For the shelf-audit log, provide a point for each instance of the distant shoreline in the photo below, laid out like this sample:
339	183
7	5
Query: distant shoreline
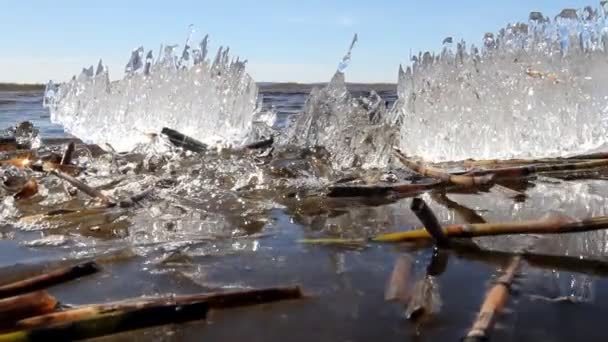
283	87
21	87
293	87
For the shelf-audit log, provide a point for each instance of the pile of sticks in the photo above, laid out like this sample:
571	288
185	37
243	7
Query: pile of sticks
495	175
482	175
29	313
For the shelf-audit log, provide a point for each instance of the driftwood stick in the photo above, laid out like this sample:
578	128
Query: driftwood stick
542	226
112	321
429	221
595	155
526	171
213	300
494	303
181	140
83	187
48	279
67	154
483	177
429	171
522	162
31	304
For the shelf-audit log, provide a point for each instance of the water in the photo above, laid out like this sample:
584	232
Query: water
239	230
16	107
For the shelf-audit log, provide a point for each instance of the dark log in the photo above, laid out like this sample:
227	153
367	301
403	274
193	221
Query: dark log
67	154
180	140
429	221
48	279
260	144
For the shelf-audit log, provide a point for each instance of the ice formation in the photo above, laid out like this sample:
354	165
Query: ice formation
536	89
210	101
352	129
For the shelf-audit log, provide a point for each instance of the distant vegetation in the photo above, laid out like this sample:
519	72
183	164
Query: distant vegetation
21	87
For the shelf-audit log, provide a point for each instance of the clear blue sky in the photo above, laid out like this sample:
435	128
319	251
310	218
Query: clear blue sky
283	40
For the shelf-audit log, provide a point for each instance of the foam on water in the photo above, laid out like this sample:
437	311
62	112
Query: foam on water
536	89
210	101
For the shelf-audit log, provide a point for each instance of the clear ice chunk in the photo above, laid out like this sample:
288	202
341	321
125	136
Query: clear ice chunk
353	130
209	102
346	59
536	89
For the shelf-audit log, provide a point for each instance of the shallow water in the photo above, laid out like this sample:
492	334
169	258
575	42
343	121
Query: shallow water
233	238
16	107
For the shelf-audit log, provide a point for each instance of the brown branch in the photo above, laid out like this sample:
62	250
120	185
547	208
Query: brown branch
83	187
112	321
212	300
494	303
526	171
541	226
32	304
429	171
29	189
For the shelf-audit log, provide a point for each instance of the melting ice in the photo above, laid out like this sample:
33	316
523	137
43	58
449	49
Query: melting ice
353	130
536	89
210	101
532	89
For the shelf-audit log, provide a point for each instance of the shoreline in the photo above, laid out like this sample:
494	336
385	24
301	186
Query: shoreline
283	87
